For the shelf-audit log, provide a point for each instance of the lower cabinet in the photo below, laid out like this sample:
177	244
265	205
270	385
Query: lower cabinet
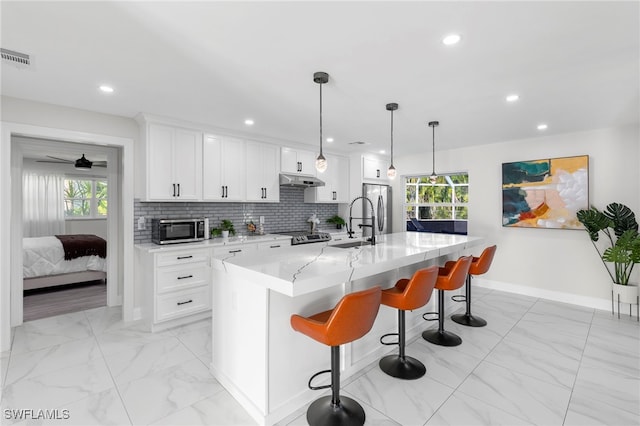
177	286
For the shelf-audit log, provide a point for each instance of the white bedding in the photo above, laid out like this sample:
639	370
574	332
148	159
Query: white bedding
45	256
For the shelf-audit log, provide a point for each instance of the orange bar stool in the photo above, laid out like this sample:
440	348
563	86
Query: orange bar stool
351	319
406	295
450	277
479	265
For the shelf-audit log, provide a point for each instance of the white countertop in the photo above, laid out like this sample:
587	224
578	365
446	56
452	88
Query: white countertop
306	268
213	242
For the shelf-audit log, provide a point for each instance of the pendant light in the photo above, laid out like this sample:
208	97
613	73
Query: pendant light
391	173
434	176
321	78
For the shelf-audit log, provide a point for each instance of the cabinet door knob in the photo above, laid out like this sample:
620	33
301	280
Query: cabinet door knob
174	189
178	190
184	303
185	277
235	251
184	257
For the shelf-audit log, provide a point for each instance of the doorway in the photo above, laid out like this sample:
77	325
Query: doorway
120	233
66	211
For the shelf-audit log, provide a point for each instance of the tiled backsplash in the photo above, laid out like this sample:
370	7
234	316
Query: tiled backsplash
291	213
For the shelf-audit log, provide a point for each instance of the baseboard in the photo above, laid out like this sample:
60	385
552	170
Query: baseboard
557	296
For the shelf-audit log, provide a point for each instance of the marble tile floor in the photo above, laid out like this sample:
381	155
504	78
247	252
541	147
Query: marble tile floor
536	363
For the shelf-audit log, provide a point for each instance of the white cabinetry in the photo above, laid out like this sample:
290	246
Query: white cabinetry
374	169
223	169
173	163
336	179
297	161
263	169
177	286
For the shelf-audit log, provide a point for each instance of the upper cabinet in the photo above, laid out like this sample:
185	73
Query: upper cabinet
374	169
173	159
262	172
297	161
336	179
223	168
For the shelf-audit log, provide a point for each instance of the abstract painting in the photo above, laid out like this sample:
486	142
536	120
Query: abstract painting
545	193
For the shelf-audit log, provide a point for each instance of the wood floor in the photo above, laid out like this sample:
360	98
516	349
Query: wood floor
47	302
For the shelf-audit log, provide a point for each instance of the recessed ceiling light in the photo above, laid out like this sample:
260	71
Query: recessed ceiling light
248	122
106	89
542	126
329	140
382	151
451	39
512	98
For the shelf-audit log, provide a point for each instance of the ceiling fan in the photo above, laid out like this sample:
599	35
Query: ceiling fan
80	164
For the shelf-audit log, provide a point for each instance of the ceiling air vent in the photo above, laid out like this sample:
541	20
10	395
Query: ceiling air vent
16	58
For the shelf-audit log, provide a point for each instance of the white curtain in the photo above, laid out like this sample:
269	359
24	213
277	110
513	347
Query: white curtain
43	204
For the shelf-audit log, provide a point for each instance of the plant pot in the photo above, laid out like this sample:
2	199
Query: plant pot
338	226
225	234
628	293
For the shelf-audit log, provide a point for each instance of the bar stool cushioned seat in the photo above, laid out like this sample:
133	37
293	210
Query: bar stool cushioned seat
479	265
351	319
406	295
450	277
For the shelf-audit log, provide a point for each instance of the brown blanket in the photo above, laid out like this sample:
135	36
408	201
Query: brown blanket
82	245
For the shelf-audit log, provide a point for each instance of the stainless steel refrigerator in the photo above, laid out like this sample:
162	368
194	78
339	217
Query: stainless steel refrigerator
380	196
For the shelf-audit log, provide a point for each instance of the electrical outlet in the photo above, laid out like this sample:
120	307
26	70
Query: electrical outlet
141	224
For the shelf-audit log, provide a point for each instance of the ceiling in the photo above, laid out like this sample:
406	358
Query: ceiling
575	66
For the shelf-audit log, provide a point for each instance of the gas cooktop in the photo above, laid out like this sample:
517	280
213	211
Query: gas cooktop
306	237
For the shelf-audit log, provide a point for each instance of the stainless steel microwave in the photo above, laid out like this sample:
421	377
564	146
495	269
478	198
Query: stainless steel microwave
173	231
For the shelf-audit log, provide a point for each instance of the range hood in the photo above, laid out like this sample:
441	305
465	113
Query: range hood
287	179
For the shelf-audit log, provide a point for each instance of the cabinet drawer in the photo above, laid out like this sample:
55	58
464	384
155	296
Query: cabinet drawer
237	249
274	244
175	277
182	303
182	256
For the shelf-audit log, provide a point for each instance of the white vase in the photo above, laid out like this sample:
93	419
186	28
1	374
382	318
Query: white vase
225	234
626	293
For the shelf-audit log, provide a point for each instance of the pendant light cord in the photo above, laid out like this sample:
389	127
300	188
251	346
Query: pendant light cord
433	151
392	137
320	118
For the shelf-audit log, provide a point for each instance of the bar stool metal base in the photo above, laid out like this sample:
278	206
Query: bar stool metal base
442	338
323	412
408	368
468	320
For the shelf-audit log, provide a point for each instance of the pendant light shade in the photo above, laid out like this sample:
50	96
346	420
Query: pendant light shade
321	78
391	173
434	176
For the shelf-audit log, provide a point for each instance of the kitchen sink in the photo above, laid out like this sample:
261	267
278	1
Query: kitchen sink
352	244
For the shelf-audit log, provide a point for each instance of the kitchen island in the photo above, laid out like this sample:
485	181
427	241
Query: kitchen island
261	361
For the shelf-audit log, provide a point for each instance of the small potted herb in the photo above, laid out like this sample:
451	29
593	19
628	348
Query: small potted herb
337	220
226	228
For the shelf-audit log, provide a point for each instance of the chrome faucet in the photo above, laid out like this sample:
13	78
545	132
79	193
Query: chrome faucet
373	220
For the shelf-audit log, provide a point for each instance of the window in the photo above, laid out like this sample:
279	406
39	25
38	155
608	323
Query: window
85	198
447	199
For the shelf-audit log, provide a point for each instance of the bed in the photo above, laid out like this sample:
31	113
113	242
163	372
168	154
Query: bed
63	259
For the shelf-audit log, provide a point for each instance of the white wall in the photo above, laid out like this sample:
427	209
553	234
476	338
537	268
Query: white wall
540	260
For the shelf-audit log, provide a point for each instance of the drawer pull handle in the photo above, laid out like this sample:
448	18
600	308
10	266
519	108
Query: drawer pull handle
185	277
184	303
274	246
184	257
235	251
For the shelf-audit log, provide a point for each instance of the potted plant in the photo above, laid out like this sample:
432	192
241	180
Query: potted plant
618	224
337	220
226	228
